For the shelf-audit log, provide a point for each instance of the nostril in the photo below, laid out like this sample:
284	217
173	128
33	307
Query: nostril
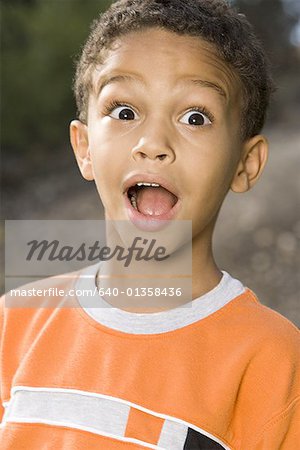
151	154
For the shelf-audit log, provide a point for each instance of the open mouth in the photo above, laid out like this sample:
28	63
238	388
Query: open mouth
151	199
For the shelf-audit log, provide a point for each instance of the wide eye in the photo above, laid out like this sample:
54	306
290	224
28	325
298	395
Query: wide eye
195	118
123	113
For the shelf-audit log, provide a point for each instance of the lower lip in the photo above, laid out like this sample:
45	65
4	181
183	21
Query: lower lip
150	223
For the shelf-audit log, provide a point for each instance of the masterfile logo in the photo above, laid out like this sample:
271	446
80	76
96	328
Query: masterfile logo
140	250
134	265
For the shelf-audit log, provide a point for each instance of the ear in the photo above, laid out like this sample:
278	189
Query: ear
80	143
251	165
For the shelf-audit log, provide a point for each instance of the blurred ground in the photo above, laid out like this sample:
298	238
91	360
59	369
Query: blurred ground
258	233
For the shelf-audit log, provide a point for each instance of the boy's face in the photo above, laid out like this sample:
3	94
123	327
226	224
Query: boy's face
166	110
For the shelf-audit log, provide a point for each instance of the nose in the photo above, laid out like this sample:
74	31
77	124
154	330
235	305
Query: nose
154	145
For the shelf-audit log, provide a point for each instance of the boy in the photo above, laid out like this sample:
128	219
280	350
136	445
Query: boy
171	94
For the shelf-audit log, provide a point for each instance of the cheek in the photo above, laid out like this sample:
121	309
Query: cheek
209	152
221	174
209	171
111	144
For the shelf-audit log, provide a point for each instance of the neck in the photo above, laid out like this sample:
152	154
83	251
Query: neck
190	270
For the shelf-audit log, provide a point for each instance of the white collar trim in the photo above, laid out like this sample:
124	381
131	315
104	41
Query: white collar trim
158	322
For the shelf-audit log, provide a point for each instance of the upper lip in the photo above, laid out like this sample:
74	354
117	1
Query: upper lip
149	178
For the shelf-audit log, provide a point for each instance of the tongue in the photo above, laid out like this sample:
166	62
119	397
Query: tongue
155	201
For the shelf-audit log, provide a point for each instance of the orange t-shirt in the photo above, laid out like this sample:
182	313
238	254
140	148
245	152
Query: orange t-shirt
222	374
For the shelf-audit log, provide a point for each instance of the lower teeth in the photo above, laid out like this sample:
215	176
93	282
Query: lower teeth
133	202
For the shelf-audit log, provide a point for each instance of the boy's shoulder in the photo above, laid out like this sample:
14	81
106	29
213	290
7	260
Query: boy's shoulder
263	323
24	316
267	348
36	300
274	317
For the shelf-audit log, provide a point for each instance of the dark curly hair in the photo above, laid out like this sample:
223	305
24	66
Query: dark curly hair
214	21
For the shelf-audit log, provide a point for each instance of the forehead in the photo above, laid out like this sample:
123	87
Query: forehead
157	56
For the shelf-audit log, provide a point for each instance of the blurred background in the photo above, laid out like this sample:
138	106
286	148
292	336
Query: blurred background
258	233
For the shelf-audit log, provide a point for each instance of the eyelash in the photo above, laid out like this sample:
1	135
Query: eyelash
108	109
203	110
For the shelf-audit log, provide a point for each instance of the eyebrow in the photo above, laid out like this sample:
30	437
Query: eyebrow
119	78
210	84
114	79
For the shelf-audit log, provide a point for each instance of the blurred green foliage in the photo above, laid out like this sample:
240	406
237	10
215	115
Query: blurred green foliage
40	40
